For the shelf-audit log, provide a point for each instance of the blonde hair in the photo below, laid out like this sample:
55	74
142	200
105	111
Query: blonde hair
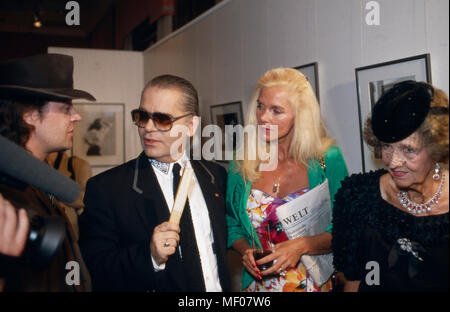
310	138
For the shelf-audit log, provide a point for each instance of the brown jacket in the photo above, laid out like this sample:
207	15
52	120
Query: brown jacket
80	171
17	272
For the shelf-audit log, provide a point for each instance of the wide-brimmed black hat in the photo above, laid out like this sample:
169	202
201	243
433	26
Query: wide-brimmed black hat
45	76
401	110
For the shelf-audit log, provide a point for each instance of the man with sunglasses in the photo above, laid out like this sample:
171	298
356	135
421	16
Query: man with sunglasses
125	236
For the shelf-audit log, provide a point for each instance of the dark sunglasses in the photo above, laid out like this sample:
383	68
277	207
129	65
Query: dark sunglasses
162	122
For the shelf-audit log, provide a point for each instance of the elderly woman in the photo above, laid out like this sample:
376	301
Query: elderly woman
283	99
391	226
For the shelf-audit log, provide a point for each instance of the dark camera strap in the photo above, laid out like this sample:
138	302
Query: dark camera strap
69	164
58	160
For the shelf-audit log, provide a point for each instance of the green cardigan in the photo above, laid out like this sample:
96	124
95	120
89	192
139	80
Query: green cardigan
238	191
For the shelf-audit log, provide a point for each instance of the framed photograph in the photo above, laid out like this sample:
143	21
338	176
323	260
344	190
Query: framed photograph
227	114
99	136
373	81
311	71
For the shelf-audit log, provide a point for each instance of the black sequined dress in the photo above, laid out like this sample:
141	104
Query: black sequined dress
387	249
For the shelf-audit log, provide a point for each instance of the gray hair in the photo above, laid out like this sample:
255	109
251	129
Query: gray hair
190	103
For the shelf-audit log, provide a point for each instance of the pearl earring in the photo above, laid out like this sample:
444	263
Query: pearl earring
436	175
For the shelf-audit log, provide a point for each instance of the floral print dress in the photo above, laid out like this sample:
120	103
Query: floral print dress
261	208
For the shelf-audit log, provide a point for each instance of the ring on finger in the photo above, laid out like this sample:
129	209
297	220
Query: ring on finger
166	244
282	272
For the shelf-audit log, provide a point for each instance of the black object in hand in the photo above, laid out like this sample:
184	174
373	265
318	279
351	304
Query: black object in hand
44	240
259	254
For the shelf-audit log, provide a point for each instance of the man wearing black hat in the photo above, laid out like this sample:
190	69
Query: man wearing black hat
36	112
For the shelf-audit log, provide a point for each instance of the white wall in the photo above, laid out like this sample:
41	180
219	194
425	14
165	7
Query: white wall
111	77
224	53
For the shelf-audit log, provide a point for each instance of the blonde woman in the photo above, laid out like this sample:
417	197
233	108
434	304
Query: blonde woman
283	99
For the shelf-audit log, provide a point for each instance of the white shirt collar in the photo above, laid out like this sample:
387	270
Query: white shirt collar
166	168
161	166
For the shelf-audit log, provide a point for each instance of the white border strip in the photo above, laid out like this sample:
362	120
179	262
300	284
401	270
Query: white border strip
189	25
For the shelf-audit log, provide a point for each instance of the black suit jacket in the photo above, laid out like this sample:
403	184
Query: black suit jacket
123	206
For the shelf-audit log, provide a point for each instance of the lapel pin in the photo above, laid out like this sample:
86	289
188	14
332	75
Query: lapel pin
216	194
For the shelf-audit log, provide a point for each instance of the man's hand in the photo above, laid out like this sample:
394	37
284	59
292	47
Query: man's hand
13	229
164	241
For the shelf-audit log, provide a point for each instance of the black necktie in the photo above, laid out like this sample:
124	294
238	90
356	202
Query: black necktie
189	250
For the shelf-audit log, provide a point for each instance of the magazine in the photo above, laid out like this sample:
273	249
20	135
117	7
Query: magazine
308	215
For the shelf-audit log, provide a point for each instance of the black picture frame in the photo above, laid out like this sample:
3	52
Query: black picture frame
373	80
227	114
311	71
99	137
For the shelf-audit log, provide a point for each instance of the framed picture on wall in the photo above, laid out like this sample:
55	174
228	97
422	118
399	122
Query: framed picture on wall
99	136
311	71
227	114
373	81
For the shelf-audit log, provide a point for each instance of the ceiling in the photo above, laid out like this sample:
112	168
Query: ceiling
104	24
17	16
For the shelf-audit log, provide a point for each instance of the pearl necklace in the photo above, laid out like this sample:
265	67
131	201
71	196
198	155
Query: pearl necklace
414	208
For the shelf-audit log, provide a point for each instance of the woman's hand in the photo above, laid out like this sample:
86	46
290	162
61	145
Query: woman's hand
248	261
250	265
287	254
